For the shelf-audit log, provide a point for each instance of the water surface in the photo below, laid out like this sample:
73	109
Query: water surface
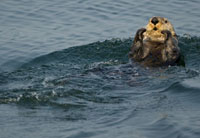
65	72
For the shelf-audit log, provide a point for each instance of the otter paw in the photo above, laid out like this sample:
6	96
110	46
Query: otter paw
167	33
140	33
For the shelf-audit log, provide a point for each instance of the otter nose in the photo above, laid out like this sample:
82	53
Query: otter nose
154	20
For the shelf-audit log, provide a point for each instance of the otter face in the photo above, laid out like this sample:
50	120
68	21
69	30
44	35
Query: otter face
155	26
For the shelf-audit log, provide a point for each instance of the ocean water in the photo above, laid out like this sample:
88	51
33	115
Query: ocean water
65	72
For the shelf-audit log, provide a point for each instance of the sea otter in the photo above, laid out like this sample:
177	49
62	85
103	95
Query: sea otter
156	45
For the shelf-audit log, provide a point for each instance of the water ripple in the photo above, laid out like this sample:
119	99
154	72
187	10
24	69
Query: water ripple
50	90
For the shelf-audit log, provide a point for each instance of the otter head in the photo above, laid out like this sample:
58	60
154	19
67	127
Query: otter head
155	27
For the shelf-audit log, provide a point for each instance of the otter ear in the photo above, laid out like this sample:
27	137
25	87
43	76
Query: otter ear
150	19
165	20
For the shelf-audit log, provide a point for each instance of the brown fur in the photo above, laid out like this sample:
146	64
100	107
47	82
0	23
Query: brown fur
156	45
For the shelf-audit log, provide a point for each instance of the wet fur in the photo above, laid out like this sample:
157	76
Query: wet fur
150	51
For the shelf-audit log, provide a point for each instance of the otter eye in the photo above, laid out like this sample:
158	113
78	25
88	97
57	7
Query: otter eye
166	21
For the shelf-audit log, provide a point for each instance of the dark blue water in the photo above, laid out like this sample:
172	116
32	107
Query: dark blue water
65	72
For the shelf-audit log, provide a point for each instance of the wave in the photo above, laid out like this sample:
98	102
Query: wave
96	70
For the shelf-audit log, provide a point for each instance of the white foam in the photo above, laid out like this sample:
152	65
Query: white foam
193	82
